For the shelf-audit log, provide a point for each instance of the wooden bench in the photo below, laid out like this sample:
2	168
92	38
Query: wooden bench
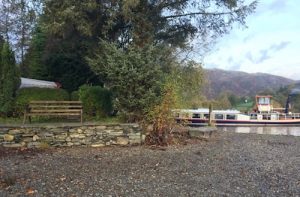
53	108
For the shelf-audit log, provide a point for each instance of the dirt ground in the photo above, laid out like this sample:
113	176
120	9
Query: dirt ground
228	165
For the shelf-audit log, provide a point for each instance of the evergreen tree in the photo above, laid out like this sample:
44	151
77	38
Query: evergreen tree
1	46
10	79
134	75
34	57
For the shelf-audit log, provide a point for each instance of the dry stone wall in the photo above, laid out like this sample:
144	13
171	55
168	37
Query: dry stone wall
93	136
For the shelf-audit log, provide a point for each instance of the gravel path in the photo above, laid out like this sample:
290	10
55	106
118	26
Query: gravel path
228	165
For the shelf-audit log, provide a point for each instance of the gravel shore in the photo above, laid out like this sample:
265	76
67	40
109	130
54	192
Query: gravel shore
228	165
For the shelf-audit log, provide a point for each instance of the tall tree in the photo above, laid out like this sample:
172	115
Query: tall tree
17	20
135	76
34	58
26	16
10	79
1	66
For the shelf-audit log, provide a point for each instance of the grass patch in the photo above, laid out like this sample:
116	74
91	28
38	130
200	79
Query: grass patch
244	107
11	120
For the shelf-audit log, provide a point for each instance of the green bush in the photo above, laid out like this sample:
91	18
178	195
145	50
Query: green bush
96	100
24	96
74	96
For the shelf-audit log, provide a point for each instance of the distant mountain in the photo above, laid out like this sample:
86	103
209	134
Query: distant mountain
241	83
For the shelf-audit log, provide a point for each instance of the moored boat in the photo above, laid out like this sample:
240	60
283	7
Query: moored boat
263	114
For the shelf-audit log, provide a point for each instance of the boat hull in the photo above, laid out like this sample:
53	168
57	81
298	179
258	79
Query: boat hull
202	122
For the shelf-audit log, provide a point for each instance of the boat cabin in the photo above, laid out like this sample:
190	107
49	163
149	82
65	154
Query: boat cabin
263	104
203	113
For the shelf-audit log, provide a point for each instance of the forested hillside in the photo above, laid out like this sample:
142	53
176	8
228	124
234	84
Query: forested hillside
241	83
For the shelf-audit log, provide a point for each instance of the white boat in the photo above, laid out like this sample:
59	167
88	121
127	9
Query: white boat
263	114
30	83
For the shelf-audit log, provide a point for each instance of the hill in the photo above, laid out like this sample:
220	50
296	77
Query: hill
241	83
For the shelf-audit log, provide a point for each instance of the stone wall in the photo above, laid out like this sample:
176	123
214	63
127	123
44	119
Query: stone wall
93	136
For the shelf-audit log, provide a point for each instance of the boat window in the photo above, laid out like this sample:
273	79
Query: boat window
230	117
196	115
206	116
219	116
253	116
264	101
266	117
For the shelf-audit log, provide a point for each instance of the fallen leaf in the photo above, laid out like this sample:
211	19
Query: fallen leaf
30	191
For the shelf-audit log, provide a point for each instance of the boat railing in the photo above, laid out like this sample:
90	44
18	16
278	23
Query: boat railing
289	116
280	116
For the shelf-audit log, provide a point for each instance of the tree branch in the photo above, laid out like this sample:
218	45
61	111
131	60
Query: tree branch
200	13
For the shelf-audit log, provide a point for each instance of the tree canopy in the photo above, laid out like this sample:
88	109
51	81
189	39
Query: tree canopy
141	22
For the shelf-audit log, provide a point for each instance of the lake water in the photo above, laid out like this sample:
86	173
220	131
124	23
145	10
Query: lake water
287	130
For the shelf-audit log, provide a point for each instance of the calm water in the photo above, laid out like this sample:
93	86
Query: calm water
289	130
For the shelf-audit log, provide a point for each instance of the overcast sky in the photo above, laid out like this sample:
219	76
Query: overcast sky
270	44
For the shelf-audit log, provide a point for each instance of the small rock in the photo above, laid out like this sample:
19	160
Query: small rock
108	130
57	130
117	128
13	145
135	126
101	127
122	140
33	144
35	138
72	130
81	136
134	136
68	139
143	138
97	145
28	135
8	138
46	134
14	131
61	137
76	135
116	133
